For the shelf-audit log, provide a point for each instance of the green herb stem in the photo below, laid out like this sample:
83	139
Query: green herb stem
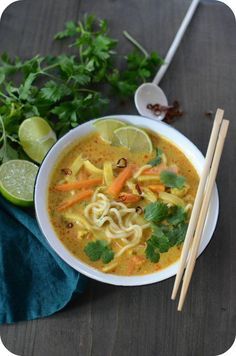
3	137
136	43
87	90
52	66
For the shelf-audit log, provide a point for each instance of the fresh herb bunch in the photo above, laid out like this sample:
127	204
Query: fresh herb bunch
67	90
169	227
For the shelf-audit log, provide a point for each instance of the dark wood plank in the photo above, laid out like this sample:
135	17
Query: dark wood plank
142	321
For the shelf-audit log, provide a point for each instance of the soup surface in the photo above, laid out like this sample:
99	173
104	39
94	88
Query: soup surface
122	212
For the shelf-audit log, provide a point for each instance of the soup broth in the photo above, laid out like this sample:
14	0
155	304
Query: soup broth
91	234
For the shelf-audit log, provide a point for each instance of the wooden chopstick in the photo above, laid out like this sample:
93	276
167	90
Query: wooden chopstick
198	200
203	213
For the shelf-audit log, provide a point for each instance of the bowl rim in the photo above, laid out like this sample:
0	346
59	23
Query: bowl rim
66	142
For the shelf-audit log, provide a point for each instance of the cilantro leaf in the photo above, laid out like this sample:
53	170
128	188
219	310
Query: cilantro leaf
72	70
99	249
180	232
30	66
172	180
25	88
152	252
162	243
54	91
107	255
156	212
8	66
177	216
170	233
176	234
71	29
158	159
157	230
102	46
94	250
155	246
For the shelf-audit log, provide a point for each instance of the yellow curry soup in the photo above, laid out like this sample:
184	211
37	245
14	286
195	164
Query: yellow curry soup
120	233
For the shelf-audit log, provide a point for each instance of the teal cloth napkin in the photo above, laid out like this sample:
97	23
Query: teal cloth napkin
34	281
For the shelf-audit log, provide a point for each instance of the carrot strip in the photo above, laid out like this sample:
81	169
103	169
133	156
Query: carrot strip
158	169
119	182
155	170
87	183
173	169
128	198
156	188
77	198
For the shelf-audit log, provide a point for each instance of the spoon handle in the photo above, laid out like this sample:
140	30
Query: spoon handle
176	42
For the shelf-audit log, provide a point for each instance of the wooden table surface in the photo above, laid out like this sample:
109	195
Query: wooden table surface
143	321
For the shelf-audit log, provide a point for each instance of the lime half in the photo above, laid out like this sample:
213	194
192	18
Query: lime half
17	178
36	138
135	139
106	128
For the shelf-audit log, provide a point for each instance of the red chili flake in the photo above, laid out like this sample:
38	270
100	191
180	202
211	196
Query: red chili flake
137	186
171	112
139	210
66	171
69	225
121	198
121	163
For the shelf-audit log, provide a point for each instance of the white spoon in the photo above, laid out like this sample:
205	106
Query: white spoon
151	93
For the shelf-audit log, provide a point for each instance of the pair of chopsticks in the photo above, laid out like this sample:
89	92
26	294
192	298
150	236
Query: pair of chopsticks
200	207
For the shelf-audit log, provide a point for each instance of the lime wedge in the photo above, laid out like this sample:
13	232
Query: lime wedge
36	138
106	128
135	139
17	179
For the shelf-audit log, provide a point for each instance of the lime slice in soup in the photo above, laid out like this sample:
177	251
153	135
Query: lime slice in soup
135	139
17	178
106	128
36	138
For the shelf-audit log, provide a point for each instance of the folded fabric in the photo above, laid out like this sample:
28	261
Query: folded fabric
34	281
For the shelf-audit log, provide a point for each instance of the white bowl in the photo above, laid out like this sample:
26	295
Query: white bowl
41	193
